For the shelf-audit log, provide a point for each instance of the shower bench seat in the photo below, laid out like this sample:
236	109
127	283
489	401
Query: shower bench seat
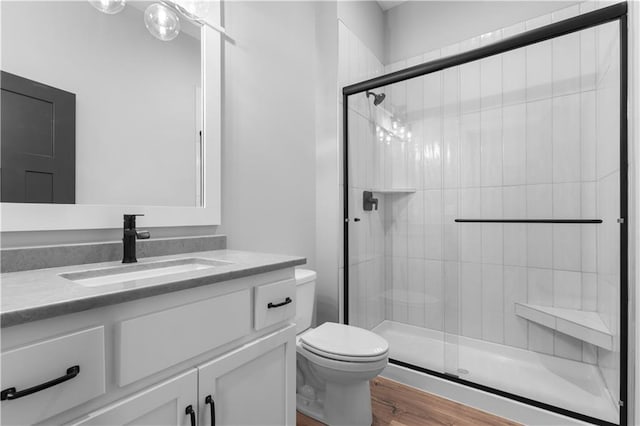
583	325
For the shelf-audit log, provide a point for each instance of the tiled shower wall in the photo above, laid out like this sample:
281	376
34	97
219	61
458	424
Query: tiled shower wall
531	133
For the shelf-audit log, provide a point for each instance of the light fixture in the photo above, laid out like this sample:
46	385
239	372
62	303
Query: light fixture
161	19
110	7
162	22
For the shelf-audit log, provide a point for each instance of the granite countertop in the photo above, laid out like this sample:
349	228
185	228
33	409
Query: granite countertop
43	293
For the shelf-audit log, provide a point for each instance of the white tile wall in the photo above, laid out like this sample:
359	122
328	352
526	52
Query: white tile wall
514	139
566	138
451	142
531	133
515	290
492	233
539	150
491	143
566	74
539	70
434	294
470	80
470	148
471	300
492	303
515	235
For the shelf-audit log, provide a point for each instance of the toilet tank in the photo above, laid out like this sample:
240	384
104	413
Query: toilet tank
305	298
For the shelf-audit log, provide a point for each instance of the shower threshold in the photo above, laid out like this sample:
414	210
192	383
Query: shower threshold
564	383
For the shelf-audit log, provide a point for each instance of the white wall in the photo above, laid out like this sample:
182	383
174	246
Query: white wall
367	21
416	27
269	133
135	97
328	217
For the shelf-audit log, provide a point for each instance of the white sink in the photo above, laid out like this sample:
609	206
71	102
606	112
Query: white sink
139	271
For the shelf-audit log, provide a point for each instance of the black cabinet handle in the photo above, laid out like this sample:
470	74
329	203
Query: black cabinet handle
277	305
192	414
12	393
209	400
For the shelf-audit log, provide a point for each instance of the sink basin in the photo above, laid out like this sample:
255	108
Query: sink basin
139	271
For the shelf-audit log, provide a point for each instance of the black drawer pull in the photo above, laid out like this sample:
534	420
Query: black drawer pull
192	414
209	400
277	305
12	393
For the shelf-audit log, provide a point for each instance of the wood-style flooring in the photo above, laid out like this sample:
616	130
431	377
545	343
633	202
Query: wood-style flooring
396	404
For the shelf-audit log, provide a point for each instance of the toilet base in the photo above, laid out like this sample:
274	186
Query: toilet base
345	405
310	408
348	404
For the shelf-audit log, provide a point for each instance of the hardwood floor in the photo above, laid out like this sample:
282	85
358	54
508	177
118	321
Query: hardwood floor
395	404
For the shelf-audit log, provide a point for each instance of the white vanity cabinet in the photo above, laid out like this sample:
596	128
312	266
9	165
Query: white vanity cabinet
144	362
169	403
246	386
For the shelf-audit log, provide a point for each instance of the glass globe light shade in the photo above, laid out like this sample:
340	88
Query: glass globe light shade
193	9
110	7
162	22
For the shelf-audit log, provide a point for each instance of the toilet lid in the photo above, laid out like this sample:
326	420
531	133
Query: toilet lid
345	341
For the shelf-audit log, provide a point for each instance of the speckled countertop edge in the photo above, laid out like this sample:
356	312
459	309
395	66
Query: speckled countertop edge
40	294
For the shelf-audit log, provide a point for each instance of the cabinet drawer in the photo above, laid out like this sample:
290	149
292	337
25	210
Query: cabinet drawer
154	342
274	303
29	366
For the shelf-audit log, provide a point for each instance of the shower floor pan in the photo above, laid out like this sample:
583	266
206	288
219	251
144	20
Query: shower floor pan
564	383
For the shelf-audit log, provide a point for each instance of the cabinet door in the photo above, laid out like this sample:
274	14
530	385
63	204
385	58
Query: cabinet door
159	405
252	385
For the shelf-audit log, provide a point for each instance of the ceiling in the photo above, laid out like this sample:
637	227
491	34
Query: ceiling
388	4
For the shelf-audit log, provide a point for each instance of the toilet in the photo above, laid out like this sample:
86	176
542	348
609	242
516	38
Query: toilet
334	363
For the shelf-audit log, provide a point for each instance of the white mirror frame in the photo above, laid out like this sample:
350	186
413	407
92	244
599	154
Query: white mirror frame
46	217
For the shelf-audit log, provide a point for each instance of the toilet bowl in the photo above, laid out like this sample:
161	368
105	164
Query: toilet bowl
334	364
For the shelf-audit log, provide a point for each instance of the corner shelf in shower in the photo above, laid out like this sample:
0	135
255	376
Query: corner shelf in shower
393	190
583	325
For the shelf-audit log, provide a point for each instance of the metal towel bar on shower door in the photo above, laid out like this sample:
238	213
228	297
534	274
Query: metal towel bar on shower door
529	220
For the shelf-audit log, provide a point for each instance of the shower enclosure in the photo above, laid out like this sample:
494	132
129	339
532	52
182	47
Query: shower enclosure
485	213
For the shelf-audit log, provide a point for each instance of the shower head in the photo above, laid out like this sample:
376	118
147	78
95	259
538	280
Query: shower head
377	98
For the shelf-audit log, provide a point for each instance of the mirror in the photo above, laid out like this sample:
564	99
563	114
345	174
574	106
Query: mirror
137	122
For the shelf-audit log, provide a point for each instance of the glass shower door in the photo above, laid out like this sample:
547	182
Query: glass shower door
484	235
396	281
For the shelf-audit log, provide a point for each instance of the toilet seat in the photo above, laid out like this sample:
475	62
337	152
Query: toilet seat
346	343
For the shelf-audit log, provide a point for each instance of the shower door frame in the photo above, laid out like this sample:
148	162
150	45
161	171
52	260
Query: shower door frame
616	12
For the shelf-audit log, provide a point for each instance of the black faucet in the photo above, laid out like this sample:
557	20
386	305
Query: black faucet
129	237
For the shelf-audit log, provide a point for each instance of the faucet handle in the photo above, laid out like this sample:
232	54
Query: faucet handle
143	235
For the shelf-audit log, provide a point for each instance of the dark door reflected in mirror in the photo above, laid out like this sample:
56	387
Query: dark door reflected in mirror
38	131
